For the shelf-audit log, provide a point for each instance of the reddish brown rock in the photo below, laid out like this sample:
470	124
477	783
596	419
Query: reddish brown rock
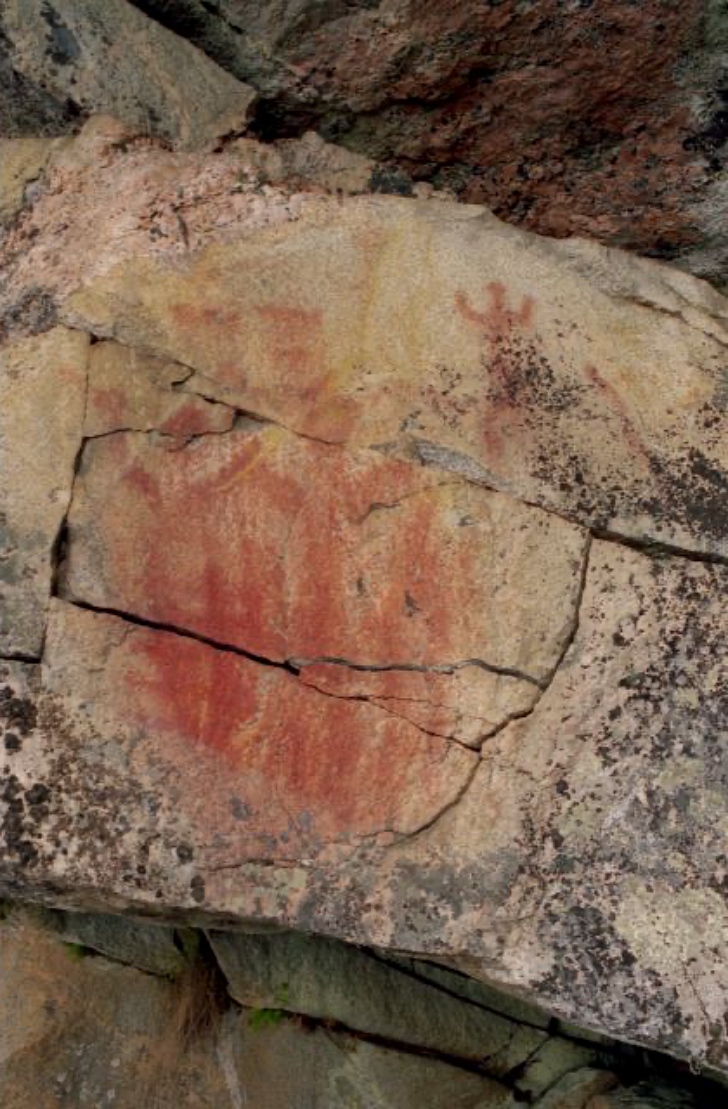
254	763
605	120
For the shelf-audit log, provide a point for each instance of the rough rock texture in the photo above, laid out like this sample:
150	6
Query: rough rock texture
109	58
42	401
363	576
564	116
77	1029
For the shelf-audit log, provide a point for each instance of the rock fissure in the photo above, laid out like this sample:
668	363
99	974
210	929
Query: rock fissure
295	667
418	668
60	542
183	633
376	702
438	986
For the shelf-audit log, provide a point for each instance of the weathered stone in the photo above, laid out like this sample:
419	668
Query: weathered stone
283	1066
151	948
42	397
161	84
83	1031
551	1068
330	981
423	571
604	120
26	108
131	391
365	555
21	162
563	373
575	1090
245	760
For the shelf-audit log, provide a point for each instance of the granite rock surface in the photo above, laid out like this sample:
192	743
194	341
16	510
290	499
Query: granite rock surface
563	116
365	576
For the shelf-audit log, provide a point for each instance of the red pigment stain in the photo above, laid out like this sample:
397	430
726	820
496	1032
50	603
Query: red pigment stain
192	419
501	326
190	691
195	317
498	318
294	337
631	431
110	404
294	752
187	545
388	583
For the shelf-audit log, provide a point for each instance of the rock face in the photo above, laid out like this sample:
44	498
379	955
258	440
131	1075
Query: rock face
108	57
79	1027
564	116
363	576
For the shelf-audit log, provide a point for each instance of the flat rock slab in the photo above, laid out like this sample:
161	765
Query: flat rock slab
42	399
369	582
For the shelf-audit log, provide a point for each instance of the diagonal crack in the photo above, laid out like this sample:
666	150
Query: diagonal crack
184	633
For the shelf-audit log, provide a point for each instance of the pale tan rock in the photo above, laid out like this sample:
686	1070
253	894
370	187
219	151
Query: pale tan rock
42	399
558	371
161	84
468	704
21	161
131	391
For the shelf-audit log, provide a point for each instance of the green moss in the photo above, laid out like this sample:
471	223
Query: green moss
76	951
259	1019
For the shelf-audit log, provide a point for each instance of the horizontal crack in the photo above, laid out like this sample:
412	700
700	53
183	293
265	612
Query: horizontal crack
417	668
289	666
20	656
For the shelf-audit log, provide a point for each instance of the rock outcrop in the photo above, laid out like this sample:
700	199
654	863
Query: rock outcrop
285	1024
564	116
361	574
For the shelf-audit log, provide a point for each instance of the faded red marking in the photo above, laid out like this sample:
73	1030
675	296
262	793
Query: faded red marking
498	317
196	317
195	419
630	428
259	542
294	336
192	542
143	482
190	691
499	324
111	404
